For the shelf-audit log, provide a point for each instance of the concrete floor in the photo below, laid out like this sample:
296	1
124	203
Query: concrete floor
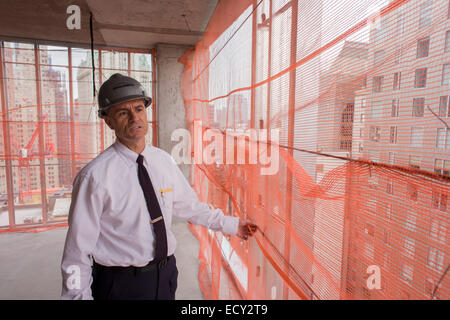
30	264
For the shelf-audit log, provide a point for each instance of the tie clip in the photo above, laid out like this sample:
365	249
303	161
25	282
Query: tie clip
156	219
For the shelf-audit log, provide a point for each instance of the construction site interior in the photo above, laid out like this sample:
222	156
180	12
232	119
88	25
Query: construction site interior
326	123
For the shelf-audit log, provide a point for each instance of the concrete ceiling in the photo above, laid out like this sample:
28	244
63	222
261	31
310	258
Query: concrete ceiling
117	23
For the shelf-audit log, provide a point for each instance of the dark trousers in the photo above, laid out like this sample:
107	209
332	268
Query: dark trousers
131	283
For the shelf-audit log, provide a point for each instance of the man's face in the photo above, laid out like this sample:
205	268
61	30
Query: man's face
128	120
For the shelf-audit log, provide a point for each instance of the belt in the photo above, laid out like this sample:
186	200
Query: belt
132	269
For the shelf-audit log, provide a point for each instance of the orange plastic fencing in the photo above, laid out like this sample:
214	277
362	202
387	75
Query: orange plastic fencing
337	115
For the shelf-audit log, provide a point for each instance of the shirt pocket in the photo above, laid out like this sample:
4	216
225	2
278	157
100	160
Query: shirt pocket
167	198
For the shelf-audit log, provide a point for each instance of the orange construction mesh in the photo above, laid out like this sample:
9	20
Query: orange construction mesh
338	111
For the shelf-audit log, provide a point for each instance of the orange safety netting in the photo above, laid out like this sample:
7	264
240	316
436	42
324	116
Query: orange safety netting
337	119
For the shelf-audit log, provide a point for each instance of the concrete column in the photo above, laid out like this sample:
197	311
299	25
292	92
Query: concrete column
171	113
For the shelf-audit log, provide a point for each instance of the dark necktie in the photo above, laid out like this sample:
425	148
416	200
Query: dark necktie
156	216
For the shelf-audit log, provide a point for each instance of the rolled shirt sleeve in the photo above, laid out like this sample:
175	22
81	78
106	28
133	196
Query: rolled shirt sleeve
186	205
82	235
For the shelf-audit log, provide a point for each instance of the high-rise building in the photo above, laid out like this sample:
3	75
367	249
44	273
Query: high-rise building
400	117
87	138
338	86
21	95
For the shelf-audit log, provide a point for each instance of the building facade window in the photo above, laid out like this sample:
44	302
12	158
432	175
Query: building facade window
409	247
377	109
448	10
375	133
435	259
393	134
445	74
391	158
421	78
442	166
400	29
444	109
411	221
387	238
438	230
369	251
407	273
386	260
390	186
397	81
439	200
426	14
423	46
442	138
447	41
413	194
416	136
378	83
418	107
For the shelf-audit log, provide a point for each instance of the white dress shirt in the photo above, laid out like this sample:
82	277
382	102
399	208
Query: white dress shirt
109	219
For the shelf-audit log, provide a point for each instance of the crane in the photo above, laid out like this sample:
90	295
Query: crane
26	155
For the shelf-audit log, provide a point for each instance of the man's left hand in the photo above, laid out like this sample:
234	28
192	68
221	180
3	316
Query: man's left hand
246	229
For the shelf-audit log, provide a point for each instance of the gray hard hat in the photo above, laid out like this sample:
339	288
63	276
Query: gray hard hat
119	88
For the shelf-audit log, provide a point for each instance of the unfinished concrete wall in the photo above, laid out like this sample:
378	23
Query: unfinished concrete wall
171	113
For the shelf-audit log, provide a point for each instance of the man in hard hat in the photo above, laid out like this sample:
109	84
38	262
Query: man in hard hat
122	207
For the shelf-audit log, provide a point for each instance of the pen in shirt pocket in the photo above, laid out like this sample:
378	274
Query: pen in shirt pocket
162	192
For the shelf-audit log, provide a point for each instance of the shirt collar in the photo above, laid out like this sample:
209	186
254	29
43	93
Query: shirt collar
129	156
